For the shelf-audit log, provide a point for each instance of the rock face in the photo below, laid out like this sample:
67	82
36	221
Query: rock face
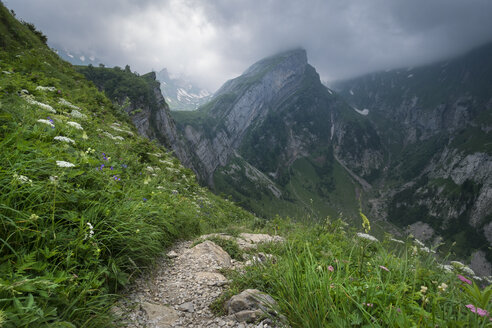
141	98
242	101
276	135
436	121
259	124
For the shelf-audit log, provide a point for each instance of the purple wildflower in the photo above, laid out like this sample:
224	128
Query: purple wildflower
124	166
111	168
104	157
145	199
116	178
479	311
330	268
460	277
368	304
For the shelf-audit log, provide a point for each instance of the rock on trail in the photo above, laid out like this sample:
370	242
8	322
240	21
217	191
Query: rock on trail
183	285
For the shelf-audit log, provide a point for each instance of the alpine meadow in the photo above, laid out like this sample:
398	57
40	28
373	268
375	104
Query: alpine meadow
279	200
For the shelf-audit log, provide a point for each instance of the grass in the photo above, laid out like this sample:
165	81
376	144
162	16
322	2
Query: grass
72	237
325	276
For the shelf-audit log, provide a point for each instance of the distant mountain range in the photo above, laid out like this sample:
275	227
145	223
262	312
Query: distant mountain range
76	57
181	94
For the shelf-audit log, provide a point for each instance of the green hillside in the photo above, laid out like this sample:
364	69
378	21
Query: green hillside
85	203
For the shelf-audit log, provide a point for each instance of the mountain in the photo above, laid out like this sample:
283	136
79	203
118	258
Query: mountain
76	57
275	139
181	94
140	98
436	121
411	147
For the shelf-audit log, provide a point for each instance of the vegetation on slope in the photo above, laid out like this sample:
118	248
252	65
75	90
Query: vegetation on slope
85	204
326	275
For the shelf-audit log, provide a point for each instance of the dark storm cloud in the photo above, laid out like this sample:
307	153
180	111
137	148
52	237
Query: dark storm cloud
216	40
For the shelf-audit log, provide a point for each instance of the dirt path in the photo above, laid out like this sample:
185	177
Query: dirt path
179	291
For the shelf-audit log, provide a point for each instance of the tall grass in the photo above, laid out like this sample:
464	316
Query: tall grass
72	237
325	276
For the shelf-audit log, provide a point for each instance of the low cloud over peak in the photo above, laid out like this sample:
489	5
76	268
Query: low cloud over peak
213	41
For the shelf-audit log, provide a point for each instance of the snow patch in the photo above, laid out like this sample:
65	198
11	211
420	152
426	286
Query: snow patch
409	76
364	112
82	58
351	92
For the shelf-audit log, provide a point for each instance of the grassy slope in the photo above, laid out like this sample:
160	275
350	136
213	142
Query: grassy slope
325	276
70	237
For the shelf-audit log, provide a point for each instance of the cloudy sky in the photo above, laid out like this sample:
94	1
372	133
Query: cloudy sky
212	41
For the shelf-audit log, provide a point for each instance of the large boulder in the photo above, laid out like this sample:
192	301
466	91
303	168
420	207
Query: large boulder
250	305
208	255
160	315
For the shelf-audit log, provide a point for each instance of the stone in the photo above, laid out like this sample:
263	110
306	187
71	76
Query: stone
160	315
250	305
187	307
172	254
248	316
211	278
208	253
257	238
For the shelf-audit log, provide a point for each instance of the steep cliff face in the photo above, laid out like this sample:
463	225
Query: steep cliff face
436	122
140	97
276	125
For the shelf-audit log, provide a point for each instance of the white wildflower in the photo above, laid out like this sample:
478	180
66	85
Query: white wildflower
45	88
54	178
477	278
457	264
24	91
75	125
166	162
109	135
425	249
40	104
150	168
64	164
160	187
397	241
91	231
419	243
6	72
442	287
121	130
468	271
155	154
67	103
446	267
64	139
76	114
366	236
423	289
45	122
22	178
